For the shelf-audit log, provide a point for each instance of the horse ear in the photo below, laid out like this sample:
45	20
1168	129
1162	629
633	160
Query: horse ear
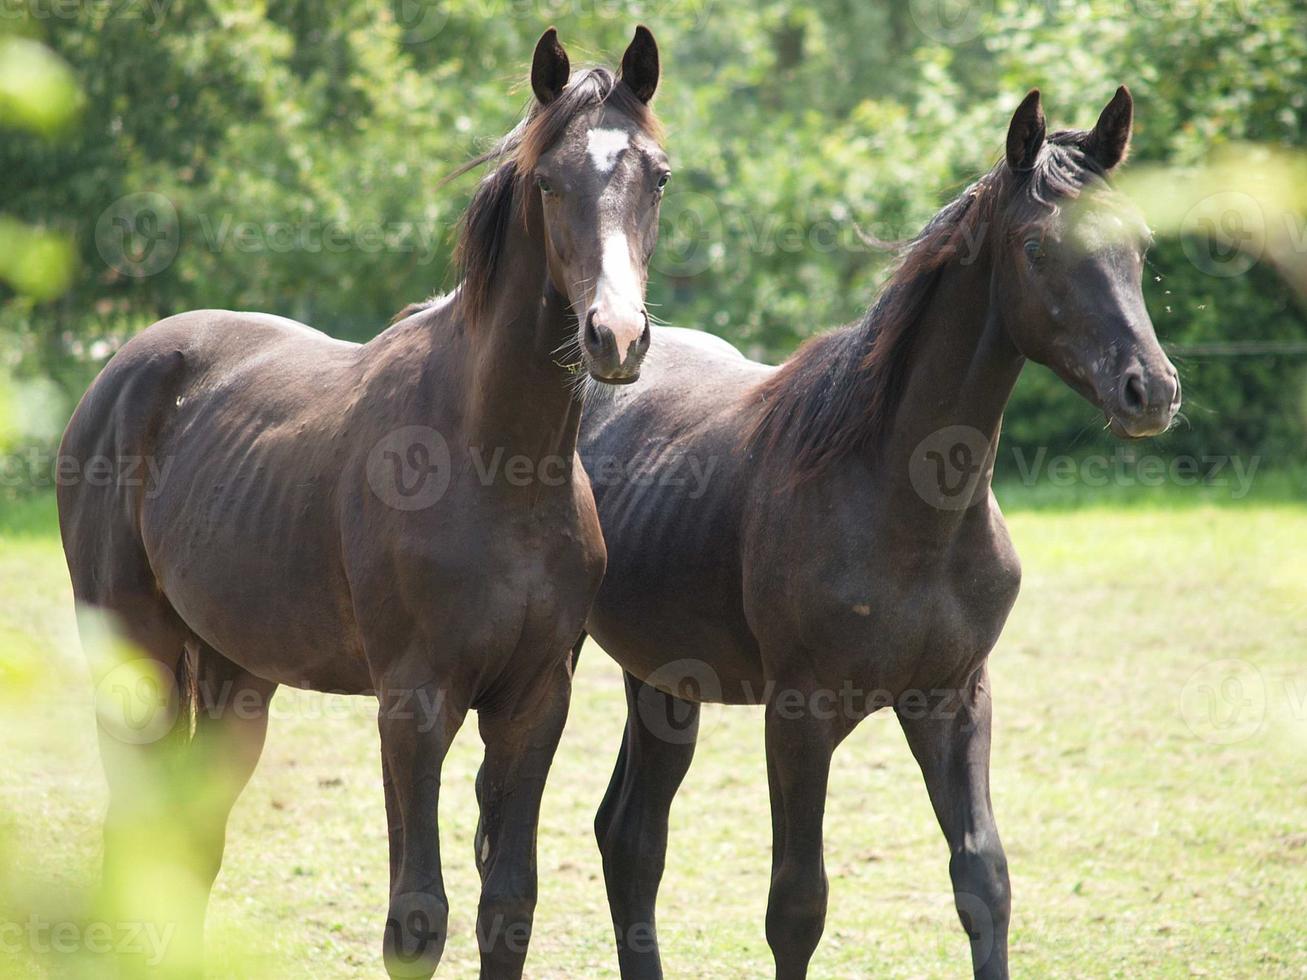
640	64
1025	135
1109	141
549	68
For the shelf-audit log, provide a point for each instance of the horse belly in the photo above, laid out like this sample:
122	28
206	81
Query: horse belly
679	632
246	555
671	605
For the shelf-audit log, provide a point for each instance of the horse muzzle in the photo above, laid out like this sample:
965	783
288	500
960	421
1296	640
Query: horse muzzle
1145	400
615	345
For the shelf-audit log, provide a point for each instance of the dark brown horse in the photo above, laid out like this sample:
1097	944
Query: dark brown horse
333	516
846	553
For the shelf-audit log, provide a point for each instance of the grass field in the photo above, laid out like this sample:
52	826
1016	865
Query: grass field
1150	781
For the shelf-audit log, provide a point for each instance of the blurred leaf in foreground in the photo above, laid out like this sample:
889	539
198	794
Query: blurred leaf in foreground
37	93
1246	203
36	262
37	89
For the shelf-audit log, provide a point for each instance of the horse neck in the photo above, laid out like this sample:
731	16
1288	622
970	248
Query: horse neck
519	399
962	373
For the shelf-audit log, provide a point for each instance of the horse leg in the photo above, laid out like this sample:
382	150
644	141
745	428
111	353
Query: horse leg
520	737
394	821
631	825
136	645
417	725
952	748
170	796
231	723
478	839
799	748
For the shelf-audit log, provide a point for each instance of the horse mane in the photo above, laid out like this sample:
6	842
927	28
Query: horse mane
484	229
838	394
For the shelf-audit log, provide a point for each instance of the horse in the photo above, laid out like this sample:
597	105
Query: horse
846	552
330	517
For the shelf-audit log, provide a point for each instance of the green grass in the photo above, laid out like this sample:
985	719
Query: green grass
1142	843
29	516
1106	482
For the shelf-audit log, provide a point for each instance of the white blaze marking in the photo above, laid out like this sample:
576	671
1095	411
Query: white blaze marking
617	271
605	145
618	290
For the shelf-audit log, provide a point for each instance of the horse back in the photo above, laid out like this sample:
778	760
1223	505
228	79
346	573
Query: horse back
177	370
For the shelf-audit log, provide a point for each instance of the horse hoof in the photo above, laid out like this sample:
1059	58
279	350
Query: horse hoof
416	929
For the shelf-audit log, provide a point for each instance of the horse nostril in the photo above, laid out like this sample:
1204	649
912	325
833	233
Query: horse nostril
1133	394
644	336
592	339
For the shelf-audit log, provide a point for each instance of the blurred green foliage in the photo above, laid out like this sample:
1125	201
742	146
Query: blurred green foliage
38	95
286	155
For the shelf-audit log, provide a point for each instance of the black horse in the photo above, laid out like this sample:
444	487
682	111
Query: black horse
848	554
324	523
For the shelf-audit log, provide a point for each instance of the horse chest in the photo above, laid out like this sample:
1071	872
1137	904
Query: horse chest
913	623
968	607
527	582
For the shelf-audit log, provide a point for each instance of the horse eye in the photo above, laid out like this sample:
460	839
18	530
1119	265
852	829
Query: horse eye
662	181
1034	250
544	185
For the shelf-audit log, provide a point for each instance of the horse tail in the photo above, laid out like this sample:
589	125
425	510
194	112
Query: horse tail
576	650
188	690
